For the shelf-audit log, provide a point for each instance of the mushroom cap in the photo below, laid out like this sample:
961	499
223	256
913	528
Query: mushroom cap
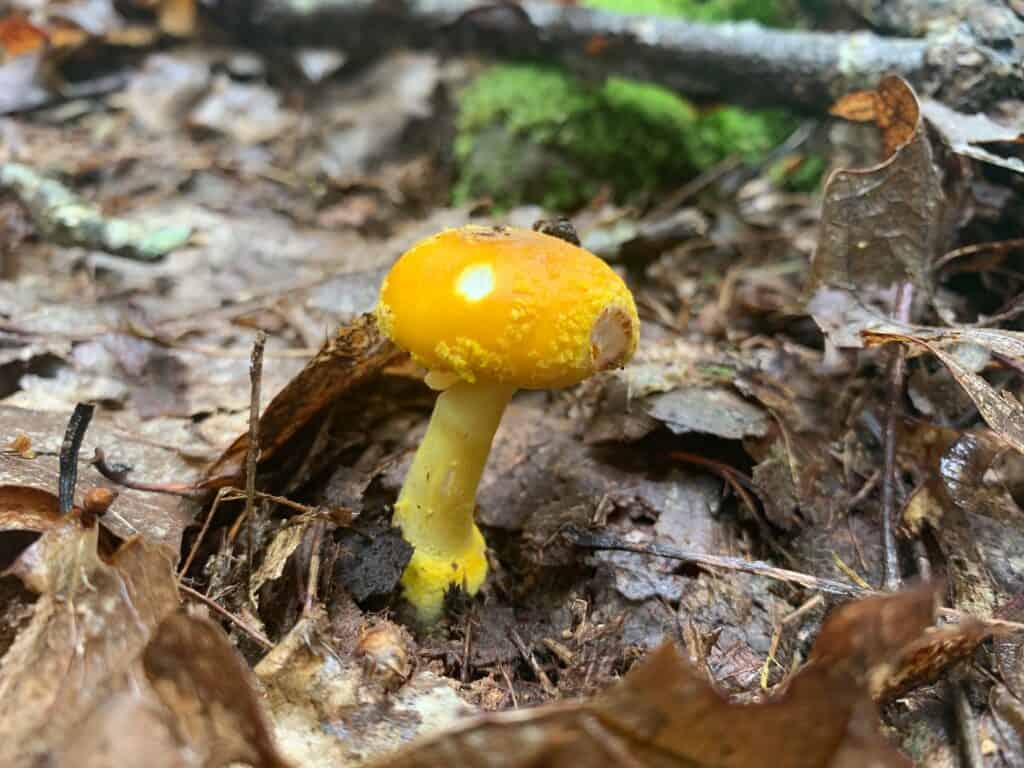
510	306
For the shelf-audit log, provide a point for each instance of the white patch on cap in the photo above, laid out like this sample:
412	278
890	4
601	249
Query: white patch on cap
611	339
475	282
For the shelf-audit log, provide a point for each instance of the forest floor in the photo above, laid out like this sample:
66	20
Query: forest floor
723	493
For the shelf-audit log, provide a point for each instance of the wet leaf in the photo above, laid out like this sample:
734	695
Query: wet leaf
879	225
354	355
666	714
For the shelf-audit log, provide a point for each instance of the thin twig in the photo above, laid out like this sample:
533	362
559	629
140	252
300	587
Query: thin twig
997	247
756	567
538	671
313	578
891	579
508	682
116	474
995	626
735	479
255	634
967	723
864	491
467	647
69	448
760	568
253	450
202	533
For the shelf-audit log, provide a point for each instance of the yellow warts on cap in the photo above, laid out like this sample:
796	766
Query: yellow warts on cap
508	305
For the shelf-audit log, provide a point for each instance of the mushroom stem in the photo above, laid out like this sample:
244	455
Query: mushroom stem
435	508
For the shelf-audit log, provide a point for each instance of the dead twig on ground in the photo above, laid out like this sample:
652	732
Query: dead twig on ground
69	448
531	660
119	474
253	453
255	634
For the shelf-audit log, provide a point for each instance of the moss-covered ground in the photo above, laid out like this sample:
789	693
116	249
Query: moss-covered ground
533	133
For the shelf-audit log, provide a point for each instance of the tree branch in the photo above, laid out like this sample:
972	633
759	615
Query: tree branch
742	63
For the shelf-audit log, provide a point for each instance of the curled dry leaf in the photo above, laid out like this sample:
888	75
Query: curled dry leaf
665	713
879	225
892	107
1001	410
355	354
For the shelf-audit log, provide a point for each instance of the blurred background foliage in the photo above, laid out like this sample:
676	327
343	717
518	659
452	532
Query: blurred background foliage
536	134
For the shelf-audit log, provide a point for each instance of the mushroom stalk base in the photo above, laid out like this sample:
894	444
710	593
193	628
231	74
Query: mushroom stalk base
435	508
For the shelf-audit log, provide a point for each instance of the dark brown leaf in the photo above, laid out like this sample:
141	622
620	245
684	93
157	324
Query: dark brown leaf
355	354
879	225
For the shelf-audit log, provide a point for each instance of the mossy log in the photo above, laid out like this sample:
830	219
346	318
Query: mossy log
743	63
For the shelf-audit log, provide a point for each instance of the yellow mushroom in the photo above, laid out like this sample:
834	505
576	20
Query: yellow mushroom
488	310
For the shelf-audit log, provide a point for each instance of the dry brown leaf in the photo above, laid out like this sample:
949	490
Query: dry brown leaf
158	517
94	614
201	679
924	660
666	714
356	353
106	673
892	107
879	225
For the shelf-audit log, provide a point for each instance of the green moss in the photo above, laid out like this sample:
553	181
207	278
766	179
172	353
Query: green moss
726	131
768	12
804	175
531	133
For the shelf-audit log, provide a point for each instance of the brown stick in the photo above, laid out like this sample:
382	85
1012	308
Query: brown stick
252	455
757	567
255	634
